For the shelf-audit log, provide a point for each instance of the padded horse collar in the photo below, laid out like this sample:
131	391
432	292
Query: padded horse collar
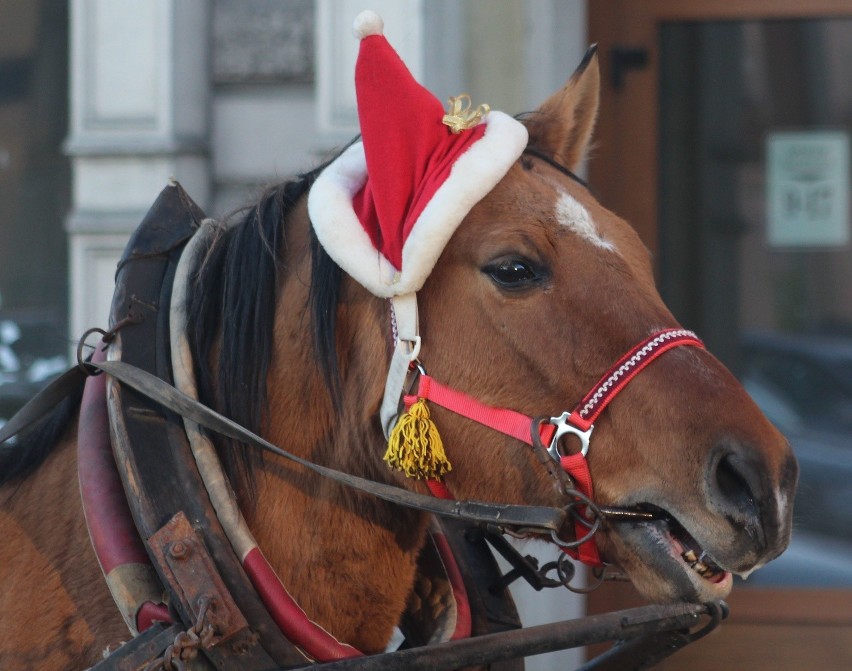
163	488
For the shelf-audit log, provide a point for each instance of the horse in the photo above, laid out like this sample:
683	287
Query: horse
537	293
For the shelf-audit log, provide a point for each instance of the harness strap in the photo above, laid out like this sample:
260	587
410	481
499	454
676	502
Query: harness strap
406	336
504	420
44	401
578	468
541	517
625	369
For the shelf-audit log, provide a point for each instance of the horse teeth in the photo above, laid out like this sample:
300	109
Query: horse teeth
689	556
701	568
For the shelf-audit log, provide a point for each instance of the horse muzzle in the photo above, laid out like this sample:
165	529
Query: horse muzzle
689	551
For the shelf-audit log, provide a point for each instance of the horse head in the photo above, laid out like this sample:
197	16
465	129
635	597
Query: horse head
485	262
540	290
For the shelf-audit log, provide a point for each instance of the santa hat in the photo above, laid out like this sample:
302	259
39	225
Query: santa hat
385	209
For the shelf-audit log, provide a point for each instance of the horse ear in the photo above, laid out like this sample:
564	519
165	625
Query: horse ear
563	125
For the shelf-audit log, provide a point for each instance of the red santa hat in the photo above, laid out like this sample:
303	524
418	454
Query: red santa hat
385	209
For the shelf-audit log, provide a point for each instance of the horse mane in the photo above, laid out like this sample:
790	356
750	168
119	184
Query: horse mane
25	453
231	317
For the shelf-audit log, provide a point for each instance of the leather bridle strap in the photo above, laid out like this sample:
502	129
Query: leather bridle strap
65	386
502	515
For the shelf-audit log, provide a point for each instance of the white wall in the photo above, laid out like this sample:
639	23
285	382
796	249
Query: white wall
139	112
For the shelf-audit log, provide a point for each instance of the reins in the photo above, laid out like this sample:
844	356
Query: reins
529	519
518	519
539	518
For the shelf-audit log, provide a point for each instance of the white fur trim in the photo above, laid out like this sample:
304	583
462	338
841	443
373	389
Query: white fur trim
338	228
367	23
474	174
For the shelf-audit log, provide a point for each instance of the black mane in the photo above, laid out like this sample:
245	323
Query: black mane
25	453
231	317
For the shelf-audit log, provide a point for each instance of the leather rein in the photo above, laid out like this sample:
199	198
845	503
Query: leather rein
524	518
518	520
534	518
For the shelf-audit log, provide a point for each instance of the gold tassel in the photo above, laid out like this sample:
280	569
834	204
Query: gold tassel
415	446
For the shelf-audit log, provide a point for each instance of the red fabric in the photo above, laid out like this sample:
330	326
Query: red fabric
409	151
439	490
578	468
111	528
576	420
289	617
668	339
505	421
463	619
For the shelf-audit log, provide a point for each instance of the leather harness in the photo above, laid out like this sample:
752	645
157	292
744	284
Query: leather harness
174	573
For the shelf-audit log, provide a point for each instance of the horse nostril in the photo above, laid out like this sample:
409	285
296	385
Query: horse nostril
735	479
732	484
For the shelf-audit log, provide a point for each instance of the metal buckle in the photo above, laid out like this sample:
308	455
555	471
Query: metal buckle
416	370
563	426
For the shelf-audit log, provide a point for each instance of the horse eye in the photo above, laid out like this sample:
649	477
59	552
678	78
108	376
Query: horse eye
513	273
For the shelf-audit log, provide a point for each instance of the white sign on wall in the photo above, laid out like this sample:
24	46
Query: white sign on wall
807	180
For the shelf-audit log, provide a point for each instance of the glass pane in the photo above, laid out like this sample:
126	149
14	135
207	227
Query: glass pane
34	196
755	252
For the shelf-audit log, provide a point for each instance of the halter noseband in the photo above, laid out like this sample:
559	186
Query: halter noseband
579	422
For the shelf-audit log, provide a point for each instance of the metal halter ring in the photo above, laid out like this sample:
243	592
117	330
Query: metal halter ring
106	338
592	525
82	363
564	426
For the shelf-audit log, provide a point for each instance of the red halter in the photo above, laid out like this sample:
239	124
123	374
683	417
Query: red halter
579	422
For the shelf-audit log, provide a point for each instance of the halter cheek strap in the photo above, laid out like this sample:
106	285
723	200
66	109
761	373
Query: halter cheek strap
517	426
406	338
579	422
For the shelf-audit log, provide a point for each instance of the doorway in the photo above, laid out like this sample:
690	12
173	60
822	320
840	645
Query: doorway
725	139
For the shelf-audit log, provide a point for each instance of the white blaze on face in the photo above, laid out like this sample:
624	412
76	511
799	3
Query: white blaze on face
575	217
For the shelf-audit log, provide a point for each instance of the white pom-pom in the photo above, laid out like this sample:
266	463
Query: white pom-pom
367	23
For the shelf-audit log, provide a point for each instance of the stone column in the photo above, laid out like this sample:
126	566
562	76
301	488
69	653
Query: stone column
139	115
